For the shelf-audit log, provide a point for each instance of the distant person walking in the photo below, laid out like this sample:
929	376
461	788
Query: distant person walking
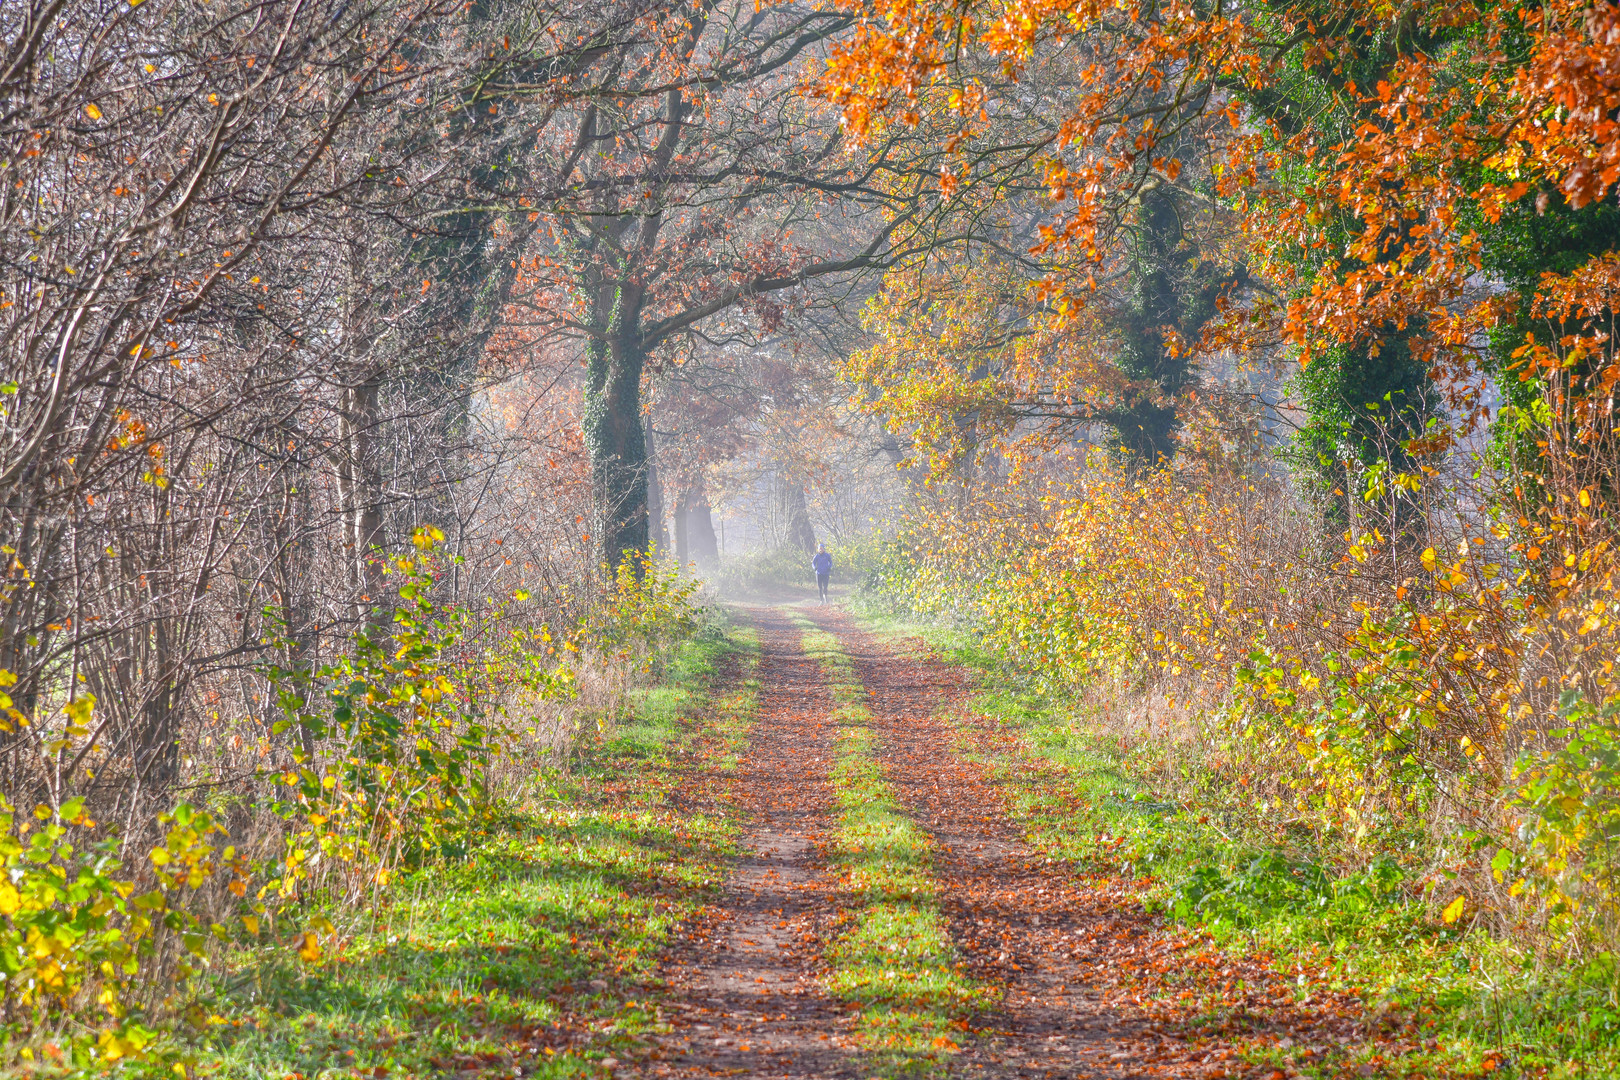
822	565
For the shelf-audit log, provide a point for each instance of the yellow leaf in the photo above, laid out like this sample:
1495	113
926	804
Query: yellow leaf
250	923
1453	911
111	1046
80	708
10	898
94	113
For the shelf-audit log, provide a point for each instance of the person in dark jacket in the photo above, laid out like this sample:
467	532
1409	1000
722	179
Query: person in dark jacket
822	565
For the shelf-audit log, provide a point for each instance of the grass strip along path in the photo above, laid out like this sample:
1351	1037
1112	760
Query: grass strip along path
894	956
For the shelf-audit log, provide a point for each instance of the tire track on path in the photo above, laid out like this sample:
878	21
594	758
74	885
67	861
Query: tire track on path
1050	939
744	995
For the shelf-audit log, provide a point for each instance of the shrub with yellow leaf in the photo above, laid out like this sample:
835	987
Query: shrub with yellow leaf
389	750
1458	702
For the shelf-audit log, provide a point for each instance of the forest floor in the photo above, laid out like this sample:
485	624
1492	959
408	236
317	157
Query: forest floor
810	856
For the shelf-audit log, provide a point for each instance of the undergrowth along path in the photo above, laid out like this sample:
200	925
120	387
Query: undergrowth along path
530	951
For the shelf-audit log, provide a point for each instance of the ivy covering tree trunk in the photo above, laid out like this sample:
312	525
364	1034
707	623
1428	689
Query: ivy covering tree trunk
612	427
1174	292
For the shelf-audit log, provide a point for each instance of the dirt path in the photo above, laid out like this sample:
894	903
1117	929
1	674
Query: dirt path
745	980
1083	967
1020	922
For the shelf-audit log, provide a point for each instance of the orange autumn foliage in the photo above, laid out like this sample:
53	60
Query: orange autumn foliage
1362	213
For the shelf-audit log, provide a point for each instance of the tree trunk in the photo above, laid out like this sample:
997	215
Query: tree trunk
613	432
695	541
292	576
360	485
700	538
800	532
683	541
157	749
656	534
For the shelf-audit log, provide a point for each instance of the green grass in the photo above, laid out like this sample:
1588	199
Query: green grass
894	958
535	951
1464	994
